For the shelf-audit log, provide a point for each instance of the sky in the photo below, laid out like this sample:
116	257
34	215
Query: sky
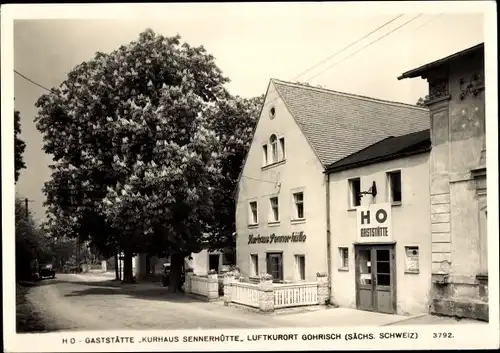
251	45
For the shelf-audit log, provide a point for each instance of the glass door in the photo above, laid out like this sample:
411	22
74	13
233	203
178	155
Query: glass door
383	279
364	295
375	284
275	266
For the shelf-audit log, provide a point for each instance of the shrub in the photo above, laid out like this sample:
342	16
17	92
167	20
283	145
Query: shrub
266	277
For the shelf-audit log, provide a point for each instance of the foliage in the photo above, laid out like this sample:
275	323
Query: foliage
144	141
421	101
234	121
31	242
19	146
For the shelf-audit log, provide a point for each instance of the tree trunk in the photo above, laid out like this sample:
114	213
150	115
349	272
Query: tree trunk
176	264
128	275
117	268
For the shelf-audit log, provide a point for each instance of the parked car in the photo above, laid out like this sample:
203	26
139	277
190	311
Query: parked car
46	271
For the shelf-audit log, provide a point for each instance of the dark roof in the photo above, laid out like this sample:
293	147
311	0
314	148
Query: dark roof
425	68
387	149
338	124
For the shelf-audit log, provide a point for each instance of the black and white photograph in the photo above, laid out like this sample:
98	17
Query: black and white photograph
249	176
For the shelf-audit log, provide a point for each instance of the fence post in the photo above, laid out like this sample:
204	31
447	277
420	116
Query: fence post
266	295
322	280
213	286
228	287
187	282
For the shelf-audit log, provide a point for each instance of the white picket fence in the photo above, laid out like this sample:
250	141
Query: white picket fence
199	285
245	293
283	295
295	294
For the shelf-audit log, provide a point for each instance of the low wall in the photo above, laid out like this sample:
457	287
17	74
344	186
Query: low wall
206	287
267	296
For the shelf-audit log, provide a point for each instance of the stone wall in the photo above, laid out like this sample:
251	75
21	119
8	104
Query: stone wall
458	190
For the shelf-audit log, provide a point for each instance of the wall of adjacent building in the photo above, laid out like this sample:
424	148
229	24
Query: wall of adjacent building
410	227
458	138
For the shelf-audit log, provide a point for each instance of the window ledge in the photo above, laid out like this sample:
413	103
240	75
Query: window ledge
412	272
273	224
396	203
343	269
275	164
298	221
255	225
482	277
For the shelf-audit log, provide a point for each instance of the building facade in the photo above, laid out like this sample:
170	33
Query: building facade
282	196
380	226
458	182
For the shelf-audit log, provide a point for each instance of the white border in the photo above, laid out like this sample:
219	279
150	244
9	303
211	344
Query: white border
466	336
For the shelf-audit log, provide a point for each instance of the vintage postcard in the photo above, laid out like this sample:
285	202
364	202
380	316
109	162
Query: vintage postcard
250	176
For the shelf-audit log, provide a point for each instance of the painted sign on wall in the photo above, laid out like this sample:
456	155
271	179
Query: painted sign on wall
374	223
296	237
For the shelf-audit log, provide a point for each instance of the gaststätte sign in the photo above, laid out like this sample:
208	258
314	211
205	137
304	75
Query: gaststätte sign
296	237
374	223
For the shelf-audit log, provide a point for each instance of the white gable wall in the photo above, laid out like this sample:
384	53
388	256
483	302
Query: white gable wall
301	170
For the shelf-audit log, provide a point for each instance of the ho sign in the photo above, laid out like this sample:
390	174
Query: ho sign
374	223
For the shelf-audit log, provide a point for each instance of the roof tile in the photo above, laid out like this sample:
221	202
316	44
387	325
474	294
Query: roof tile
340	124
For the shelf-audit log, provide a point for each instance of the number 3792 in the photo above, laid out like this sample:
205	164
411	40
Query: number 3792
442	335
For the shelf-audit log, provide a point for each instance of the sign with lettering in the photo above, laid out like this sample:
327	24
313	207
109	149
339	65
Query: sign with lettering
296	237
374	223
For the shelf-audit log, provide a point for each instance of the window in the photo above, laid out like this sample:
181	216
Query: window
274	148
272	113
344	258
282	148
254	263
300	263
411	261
275	215
253	213
275	266
298	199
264	155
394	179
354	192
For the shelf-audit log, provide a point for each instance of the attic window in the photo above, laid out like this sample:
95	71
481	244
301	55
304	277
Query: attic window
272	113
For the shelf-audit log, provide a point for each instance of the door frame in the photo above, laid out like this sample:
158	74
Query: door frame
282	267
372	247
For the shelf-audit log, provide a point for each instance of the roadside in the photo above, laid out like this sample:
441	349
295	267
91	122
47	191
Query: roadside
28	316
428	319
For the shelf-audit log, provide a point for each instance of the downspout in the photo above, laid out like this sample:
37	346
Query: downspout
328	238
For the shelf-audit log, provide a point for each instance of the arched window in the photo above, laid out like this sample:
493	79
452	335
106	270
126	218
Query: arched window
273	140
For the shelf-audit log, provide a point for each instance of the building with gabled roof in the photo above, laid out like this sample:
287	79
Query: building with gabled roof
282	193
380	228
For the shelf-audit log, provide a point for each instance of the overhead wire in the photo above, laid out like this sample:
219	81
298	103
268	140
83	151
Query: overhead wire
347	47
30	80
366	46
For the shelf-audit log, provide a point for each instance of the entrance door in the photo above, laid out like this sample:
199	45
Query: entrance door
275	266
375	278
213	262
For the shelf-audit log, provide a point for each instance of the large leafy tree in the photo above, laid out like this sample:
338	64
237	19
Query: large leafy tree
234	121
136	158
19	146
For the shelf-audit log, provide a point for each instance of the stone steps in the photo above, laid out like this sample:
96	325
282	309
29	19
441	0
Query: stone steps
470	308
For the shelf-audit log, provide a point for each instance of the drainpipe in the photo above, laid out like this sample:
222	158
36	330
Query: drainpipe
328	239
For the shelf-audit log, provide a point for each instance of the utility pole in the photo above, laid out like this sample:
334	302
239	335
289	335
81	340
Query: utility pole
26	209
